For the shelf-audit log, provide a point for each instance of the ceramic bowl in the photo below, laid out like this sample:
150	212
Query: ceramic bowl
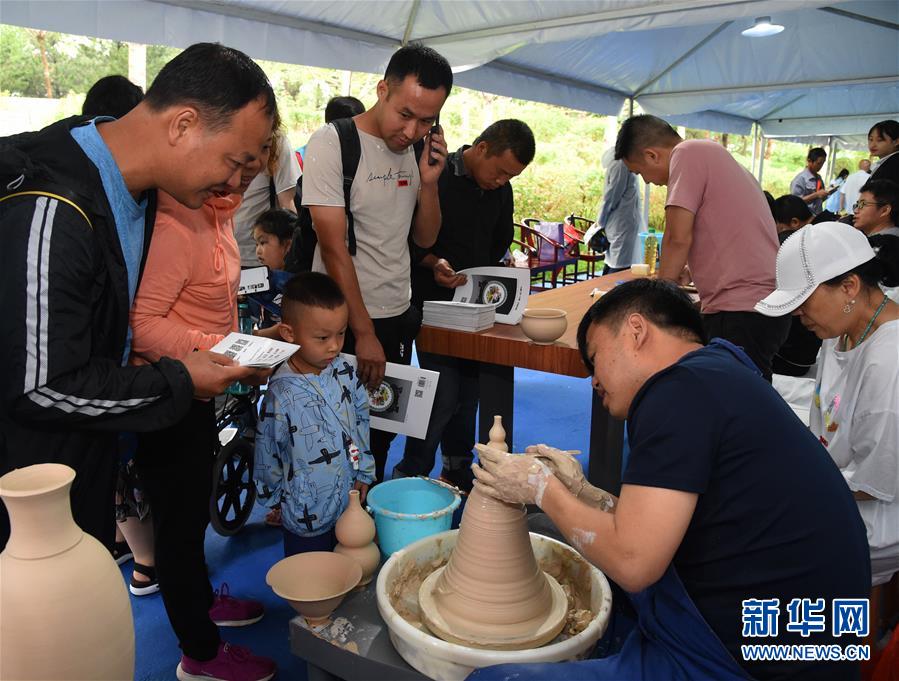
314	583
544	325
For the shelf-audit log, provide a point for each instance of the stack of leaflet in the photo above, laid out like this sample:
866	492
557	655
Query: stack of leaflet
459	316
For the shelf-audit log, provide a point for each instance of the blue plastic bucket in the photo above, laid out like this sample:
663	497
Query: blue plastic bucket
408	509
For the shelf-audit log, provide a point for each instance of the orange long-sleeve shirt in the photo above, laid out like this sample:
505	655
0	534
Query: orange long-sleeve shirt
187	295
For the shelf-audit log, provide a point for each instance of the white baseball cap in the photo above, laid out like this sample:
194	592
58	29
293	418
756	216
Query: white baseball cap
811	256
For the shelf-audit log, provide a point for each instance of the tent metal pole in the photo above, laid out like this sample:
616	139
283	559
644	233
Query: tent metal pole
630	107
755	145
762	160
646	191
830	160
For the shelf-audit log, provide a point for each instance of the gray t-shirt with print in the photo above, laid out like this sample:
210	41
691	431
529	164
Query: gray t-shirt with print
382	200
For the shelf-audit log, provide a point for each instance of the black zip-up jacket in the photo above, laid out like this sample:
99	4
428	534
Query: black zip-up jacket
63	324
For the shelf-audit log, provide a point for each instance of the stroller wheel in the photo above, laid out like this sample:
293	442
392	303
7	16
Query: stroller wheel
233	492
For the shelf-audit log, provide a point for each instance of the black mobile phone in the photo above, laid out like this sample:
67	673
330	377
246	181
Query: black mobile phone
433	131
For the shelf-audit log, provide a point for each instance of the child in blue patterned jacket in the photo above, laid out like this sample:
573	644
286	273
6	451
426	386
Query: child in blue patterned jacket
313	441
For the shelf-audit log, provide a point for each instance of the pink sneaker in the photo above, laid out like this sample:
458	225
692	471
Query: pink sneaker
233	663
227	611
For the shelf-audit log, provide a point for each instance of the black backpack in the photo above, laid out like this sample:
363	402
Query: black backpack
302	250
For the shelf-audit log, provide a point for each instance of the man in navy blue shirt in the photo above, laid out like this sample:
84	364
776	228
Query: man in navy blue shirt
731	513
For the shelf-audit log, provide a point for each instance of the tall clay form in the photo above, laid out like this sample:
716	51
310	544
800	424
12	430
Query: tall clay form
64	608
492	594
498	435
355	531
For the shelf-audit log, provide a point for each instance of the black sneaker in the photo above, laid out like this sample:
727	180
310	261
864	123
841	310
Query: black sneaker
121	553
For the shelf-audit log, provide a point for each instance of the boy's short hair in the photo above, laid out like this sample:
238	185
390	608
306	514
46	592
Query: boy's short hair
313	289
278	222
111	96
509	133
639	132
215	79
660	301
430	68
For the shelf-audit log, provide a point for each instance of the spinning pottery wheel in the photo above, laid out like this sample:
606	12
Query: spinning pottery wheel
492	594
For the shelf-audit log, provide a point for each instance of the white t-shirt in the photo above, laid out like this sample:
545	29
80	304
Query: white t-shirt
851	188
382	200
855	414
256	200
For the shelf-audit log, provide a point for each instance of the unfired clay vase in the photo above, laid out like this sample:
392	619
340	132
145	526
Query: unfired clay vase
497	435
355	531
491	594
64	608
314	583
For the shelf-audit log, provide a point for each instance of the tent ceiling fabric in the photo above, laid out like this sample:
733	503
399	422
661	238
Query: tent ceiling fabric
834	70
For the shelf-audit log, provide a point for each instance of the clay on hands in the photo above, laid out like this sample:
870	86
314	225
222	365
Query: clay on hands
514	478
570	473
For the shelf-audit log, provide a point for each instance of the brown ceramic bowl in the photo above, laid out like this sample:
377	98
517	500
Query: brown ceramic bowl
544	325
314	583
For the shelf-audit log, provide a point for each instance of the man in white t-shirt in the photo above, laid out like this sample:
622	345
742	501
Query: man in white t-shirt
853	184
390	193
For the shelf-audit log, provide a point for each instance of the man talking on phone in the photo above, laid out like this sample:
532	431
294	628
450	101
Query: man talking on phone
391	190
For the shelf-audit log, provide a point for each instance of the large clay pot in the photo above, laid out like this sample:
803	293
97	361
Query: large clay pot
64	608
354	527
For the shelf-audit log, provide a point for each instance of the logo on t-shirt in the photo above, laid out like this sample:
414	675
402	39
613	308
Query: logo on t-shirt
403	178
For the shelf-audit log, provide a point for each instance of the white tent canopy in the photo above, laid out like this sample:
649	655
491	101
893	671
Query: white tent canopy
833	71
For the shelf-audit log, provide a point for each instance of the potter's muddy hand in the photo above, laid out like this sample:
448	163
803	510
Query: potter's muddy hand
514	478
571	474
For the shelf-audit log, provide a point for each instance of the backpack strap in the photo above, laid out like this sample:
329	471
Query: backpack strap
350	153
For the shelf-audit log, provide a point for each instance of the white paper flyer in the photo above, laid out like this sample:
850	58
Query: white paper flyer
505	287
254	351
402	403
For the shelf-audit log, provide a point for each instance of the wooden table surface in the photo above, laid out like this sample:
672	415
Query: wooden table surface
507	345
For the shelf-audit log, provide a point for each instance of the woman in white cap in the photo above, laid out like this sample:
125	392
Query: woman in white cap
830	276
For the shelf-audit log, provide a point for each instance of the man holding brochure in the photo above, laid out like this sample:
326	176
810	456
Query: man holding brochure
477	229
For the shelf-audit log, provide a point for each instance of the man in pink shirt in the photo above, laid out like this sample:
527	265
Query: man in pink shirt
718	229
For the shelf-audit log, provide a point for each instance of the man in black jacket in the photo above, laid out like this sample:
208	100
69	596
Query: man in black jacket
76	221
476	202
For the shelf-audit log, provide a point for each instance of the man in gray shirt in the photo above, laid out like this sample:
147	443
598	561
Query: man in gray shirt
390	192
808	184
620	215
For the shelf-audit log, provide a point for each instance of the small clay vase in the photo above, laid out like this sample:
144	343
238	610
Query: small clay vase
64	608
368	557
355	532
497	435
355	528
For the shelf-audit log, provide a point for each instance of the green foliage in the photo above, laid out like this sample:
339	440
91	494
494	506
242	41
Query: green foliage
565	177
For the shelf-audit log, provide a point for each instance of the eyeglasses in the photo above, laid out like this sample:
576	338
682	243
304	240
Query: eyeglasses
861	203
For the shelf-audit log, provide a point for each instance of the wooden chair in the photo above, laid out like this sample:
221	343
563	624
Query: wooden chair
575	229
547	259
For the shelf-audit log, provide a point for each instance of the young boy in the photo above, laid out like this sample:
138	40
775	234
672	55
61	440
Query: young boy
313	440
